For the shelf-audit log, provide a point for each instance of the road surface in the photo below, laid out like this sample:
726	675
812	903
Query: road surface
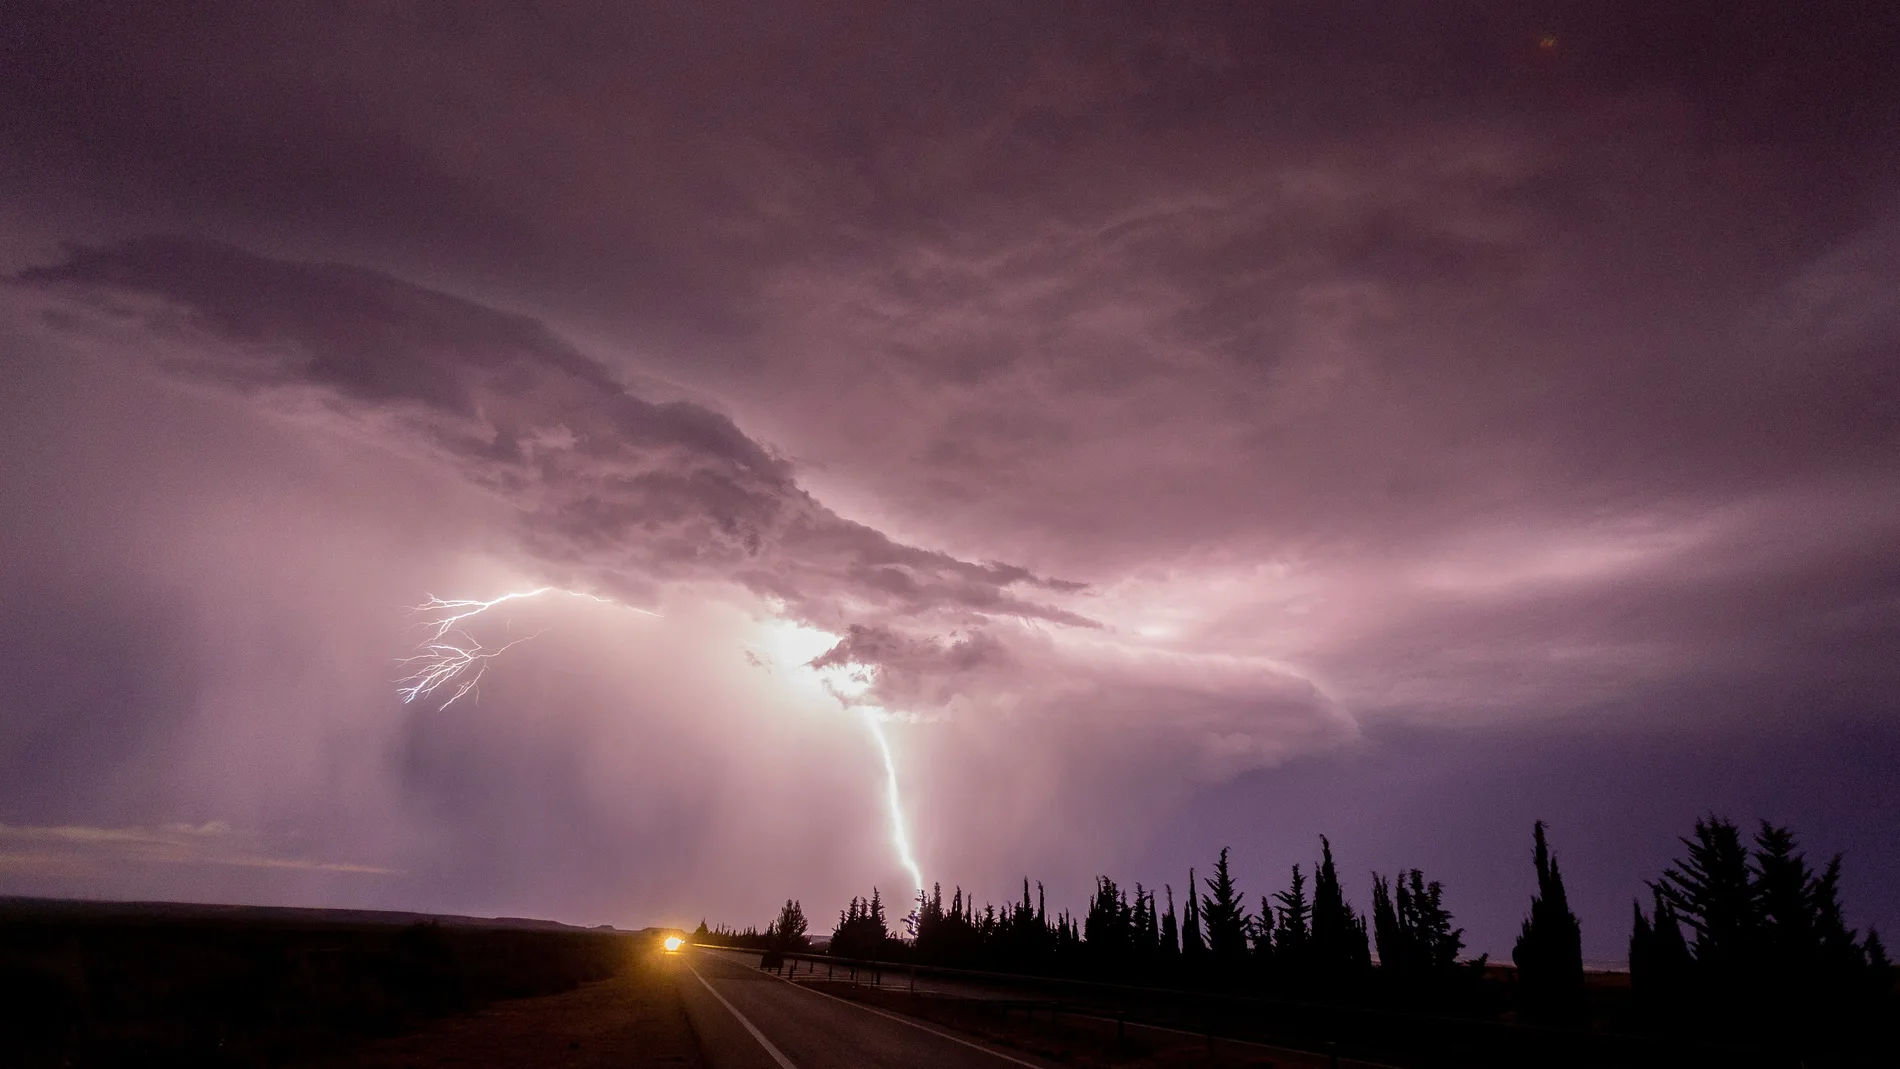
1102	1003
747	1019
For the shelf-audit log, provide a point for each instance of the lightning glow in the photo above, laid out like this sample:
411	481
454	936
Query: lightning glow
449	657
848	683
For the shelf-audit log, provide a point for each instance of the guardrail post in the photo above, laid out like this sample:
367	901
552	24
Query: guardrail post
913	979
1332	1054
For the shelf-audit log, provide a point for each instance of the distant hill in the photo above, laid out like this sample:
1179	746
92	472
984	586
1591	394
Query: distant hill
70	908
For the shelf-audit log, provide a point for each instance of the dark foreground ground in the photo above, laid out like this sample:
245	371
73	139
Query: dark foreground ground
1086	1024
153	985
632	1021
85	984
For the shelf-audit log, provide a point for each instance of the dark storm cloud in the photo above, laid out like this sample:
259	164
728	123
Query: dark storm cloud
1371	364
620	489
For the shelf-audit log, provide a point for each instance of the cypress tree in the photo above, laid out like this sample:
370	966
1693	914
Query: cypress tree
1418	947
1659	964
1226	917
1711	891
1879	968
1150	925
1106	930
789	930
1193	949
861	932
1263	929
1849	979
1293	927
1426	922
1385	927
1170	928
1549	950
1340	952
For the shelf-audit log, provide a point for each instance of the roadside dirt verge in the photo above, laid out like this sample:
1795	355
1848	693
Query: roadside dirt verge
631	1020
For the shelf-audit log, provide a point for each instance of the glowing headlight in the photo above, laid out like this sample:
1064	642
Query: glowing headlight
673	944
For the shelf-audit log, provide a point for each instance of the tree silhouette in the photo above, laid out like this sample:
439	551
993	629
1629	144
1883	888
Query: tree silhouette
787	933
1107	928
1262	935
1292	929
1710	891
1385	925
1418	947
1879	969
1340	954
1837	955
1193	948
1225	914
1659	962
1147	928
1170	929
1767	954
1772	952
1549	950
861	931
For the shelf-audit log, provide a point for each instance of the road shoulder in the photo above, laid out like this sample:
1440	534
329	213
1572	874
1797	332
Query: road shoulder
633	1019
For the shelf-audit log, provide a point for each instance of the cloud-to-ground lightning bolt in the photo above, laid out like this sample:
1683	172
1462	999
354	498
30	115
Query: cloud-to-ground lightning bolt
898	835
450	655
848	683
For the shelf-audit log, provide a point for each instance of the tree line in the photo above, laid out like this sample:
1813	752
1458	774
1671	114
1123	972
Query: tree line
1733	933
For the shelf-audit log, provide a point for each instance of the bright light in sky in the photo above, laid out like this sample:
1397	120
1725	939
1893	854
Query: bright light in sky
796	646
449	655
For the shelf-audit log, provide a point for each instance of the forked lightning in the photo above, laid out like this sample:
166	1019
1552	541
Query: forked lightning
450	657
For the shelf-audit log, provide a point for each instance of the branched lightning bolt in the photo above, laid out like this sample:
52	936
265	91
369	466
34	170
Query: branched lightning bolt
450	655
448	658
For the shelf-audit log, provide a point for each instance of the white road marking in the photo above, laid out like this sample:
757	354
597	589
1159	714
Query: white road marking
1132	1024
777	1054
901	1020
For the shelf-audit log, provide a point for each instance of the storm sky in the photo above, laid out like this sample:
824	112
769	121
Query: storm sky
1173	426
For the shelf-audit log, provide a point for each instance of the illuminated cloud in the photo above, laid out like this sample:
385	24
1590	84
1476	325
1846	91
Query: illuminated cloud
1210	424
611	488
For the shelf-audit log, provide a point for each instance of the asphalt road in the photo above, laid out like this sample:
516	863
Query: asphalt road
747	1019
1103	1004
898	979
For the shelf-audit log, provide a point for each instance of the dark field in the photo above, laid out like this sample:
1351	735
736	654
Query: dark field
114	984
